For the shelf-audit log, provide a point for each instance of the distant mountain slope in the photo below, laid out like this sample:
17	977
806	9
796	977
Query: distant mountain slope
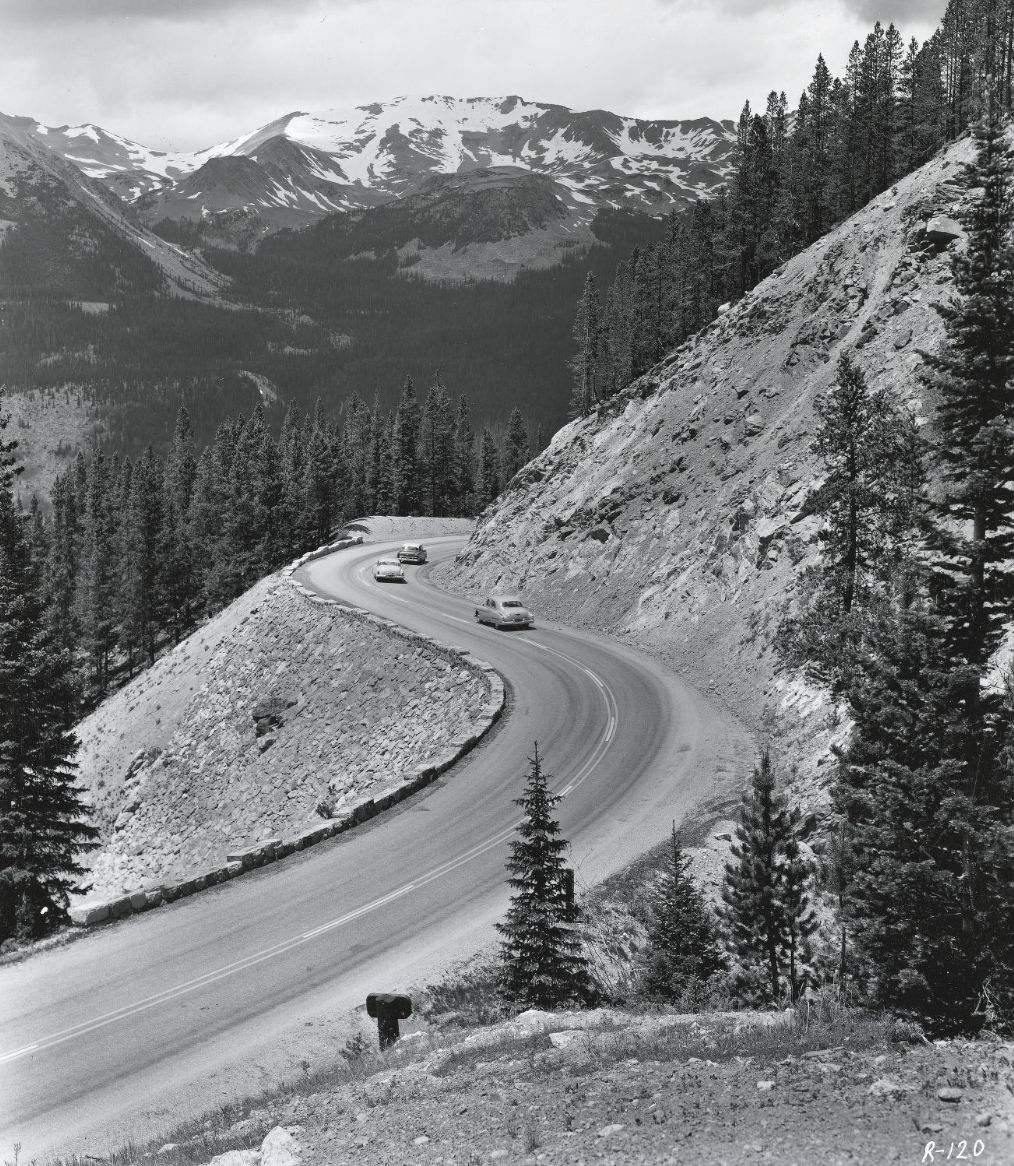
127	168
303	166
62	235
680	516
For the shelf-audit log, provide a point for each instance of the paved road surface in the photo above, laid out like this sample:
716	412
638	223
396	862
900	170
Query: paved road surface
134	1026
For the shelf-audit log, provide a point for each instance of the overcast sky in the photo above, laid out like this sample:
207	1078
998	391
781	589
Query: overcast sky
184	74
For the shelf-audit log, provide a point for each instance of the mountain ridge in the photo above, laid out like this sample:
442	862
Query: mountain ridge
305	165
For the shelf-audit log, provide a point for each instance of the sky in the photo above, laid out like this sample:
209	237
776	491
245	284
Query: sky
186	74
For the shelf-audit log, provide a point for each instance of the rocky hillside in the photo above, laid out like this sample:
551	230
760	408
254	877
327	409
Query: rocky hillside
680	515
276	713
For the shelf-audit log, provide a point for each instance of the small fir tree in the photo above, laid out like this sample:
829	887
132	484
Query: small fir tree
683	952
766	910
541	962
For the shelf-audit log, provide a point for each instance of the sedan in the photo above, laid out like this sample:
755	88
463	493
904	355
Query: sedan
504	611
388	571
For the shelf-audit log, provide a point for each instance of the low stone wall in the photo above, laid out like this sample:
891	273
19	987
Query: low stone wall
177	777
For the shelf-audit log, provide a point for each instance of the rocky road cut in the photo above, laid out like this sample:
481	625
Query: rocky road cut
124	1032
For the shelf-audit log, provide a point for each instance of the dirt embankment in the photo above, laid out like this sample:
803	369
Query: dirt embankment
275	707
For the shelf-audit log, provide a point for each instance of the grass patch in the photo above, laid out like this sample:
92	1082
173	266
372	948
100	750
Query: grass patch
467	996
511	1048
725	1040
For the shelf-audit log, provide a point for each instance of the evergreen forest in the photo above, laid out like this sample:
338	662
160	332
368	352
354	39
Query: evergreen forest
798	174
137	551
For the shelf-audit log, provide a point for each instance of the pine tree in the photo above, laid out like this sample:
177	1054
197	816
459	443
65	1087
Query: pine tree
435	455
516	450
319	510
464	459
766	901
354	468
682	948
42	817
404	452
871	457
61	567
210	501
926	785
96	602
855	442
383	486
586	366
142	598
815	138
488	483
292	455
974	377
618	328
181	583
541	964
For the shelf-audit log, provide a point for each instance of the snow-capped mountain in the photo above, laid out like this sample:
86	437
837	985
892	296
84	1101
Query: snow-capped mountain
66	235
303	166
129	169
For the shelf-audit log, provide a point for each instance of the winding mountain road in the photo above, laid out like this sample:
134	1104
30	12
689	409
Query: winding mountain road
133	1027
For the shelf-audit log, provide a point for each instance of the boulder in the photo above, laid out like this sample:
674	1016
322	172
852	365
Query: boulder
235	1158
280	1148
89	916
943	230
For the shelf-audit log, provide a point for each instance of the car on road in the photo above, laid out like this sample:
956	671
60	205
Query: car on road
504	611
388	571
412	553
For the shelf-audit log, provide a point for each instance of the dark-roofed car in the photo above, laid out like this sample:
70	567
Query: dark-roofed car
504	611
412	553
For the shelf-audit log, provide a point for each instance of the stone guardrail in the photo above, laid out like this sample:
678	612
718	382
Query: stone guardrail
270	850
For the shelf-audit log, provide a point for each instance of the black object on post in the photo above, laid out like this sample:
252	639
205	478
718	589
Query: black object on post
387	1008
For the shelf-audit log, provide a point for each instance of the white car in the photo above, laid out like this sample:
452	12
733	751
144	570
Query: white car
388	571
504	611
